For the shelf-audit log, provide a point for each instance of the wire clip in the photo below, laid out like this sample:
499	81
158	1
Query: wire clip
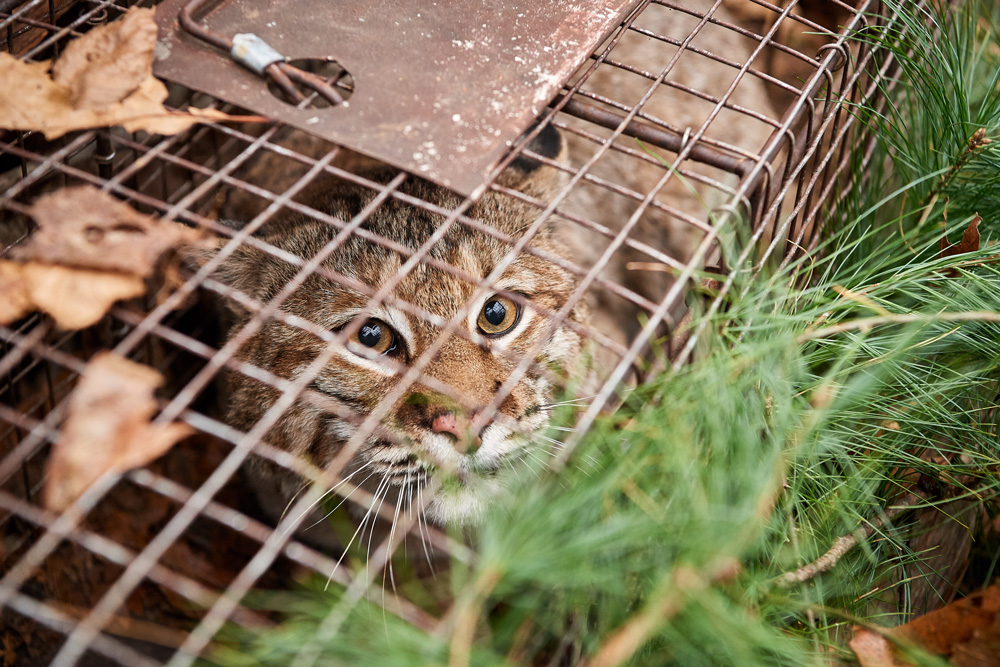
253	52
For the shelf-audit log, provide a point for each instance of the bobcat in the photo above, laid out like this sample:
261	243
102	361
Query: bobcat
430	431
427	429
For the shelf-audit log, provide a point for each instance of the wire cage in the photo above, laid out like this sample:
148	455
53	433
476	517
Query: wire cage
700	141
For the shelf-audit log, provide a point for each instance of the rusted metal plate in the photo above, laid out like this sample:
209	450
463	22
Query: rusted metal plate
441	88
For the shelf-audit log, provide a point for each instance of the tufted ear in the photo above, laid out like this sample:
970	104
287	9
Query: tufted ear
532	176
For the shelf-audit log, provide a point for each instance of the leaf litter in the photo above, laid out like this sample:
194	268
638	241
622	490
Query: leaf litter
74	298
108	428
969	242
89	251
88	228
109	63
966	631
103	78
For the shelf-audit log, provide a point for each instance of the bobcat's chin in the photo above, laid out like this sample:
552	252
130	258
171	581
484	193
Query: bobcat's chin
467	482
466	500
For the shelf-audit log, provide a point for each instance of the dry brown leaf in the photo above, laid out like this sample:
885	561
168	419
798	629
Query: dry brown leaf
103	78
89	251
969	242
941	630
86	228
110	62
967	631
75	298
107	428
872	649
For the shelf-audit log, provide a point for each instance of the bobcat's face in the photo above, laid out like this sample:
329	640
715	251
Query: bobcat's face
434	426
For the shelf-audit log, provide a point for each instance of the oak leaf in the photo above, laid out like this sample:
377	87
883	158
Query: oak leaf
75	298
103	78
110	62
88	251
969	242
967	631
107	428
87	228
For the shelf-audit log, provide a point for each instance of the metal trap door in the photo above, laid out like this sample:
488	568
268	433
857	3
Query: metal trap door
440	89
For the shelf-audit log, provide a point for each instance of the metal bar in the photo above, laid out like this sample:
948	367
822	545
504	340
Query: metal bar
654	136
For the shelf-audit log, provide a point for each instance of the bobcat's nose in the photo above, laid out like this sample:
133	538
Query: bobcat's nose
467	430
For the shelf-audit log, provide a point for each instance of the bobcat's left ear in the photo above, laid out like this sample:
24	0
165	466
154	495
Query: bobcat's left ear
532	176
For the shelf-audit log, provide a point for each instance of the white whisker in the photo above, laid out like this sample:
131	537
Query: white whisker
528	452
514	468
288	506
392	532
409	509
323	497
359	529
558	443
371	531
420	525
594	464
572	401
344	499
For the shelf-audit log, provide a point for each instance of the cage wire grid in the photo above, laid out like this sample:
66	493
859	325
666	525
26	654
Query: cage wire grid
779	199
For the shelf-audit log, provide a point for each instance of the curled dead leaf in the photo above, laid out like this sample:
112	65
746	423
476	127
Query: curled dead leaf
107	428
967	631
872	649
110	62
103	78
75	298
87	228
89	251
969	242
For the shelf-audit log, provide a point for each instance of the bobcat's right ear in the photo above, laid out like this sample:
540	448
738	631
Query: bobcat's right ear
532	176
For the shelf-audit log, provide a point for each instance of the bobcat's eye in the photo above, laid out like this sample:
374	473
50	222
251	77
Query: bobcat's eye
374	337
498	316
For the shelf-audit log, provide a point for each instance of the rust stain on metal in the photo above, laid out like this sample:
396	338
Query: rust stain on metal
441	89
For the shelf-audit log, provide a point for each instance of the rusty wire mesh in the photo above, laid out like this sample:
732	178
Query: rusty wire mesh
157	587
